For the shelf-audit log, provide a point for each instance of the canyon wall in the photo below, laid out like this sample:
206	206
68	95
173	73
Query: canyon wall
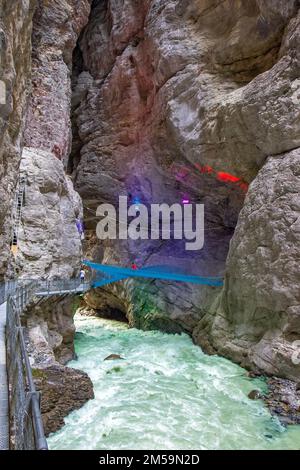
56	28
37	40
50	244
194	99
15	71
130	103
255	320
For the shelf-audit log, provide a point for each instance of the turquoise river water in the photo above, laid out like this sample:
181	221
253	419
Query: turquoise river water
165	394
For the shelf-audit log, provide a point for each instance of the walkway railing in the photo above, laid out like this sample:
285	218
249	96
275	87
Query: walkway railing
61	287
27	431
6	289
17	212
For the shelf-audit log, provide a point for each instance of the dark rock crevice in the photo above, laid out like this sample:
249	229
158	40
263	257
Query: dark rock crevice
165	142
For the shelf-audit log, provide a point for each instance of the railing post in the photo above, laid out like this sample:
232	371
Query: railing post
24	399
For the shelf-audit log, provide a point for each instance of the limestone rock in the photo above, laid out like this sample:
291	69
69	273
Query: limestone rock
56	27
49	244
257	318
49	241
125	144
179	97
55	405
15	70
113	357
50	329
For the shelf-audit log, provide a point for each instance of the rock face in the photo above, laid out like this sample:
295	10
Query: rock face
127	143
283	400
77	389
180	103
258	316
49	241
51	331
15	69
56	27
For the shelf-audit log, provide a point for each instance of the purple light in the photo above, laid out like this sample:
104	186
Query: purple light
185	201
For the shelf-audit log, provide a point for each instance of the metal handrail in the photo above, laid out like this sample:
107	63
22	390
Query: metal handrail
61	286
25	413
18	204
44	287
27	425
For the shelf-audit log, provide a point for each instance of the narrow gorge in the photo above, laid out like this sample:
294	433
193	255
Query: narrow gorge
163	102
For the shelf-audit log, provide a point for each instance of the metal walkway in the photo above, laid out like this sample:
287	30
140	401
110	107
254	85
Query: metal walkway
18	396
17	213
4	420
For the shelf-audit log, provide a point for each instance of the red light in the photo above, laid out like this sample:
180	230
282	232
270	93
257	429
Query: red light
244	186
182	172
204	169
227	177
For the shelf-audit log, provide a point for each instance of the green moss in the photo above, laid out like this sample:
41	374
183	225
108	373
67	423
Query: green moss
114	369
148	316
38	374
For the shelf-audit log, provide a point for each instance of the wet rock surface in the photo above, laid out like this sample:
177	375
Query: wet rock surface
256	319
113	357
15	73
51	381
254	395
283	400
180	97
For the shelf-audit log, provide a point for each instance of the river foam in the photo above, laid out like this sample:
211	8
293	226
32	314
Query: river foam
165	394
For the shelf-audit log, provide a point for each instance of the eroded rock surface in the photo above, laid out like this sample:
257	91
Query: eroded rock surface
49	247
15	70
49	241
283	400
77	389
51	331
257	319
179	98
56	27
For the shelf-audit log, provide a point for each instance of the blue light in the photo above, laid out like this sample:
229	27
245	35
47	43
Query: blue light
136	200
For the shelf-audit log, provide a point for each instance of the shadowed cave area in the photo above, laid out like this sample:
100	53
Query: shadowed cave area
122	145
163	127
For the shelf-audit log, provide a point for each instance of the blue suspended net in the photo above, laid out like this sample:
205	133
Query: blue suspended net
107	274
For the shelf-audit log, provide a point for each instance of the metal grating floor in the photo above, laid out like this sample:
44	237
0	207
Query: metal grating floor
4	427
